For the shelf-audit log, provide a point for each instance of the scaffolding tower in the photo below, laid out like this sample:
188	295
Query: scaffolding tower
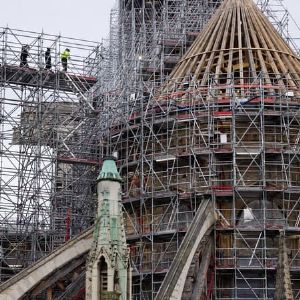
47	164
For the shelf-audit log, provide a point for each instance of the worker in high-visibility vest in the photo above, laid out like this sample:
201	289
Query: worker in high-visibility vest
64	56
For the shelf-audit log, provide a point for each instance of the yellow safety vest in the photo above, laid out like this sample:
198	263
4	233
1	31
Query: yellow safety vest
65	54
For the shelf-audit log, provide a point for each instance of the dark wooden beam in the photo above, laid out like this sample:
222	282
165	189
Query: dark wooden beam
59	274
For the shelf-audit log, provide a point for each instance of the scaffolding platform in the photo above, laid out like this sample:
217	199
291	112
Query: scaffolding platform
48	161
84	161
45	79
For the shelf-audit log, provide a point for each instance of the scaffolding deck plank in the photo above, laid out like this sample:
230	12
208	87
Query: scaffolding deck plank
45	79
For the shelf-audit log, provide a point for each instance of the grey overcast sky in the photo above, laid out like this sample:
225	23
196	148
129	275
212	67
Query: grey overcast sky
88	19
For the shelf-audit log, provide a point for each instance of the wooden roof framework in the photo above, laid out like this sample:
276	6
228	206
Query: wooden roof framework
239	41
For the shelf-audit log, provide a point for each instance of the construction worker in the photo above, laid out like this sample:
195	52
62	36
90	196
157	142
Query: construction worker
24	55
64	59
48	59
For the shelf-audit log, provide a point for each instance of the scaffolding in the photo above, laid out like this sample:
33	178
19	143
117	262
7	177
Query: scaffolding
46	187
282	20
176	148
200	144
148	38
55	126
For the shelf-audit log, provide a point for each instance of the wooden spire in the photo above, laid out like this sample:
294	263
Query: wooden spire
239	40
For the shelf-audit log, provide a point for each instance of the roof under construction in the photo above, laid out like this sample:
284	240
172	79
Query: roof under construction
238	40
